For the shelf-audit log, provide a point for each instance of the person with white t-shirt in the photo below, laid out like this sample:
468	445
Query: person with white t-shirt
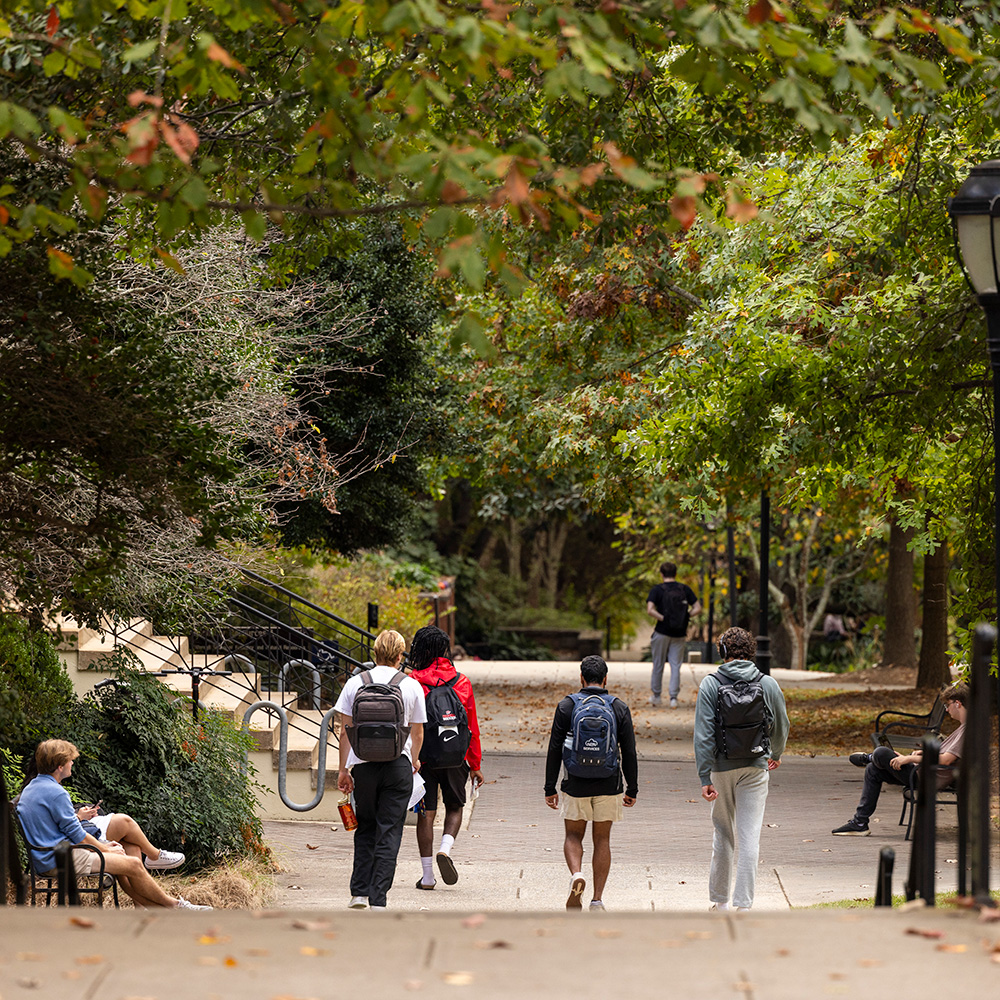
381	790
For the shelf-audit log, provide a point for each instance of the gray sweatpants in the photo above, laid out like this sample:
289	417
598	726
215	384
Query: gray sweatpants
665	648
737	815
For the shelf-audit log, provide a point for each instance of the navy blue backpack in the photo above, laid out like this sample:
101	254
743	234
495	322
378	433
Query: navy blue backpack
590	749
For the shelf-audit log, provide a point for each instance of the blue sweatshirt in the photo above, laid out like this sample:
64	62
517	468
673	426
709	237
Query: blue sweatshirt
705	754
48	818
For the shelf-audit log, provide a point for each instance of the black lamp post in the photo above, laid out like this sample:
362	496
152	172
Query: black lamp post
763	659
975	211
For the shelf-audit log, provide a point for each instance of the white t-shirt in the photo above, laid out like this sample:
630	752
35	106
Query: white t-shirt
414	709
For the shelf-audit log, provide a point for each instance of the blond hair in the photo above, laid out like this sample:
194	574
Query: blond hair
52	754
388	647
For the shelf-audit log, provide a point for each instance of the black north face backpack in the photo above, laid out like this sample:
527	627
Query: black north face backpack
742	719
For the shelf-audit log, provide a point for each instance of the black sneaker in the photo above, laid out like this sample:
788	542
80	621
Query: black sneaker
860	759
852	828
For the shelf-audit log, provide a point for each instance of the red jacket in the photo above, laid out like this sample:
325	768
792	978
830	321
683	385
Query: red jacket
442	670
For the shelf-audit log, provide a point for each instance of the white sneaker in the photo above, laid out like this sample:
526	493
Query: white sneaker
358	903
183	904
673	702
167	859
596	904
376	907
655	701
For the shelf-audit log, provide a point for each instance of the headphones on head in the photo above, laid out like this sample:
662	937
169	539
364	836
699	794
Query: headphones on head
722	650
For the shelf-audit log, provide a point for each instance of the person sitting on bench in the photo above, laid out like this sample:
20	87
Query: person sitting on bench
884	764
48	818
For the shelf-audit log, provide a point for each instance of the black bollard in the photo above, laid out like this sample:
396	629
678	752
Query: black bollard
883	887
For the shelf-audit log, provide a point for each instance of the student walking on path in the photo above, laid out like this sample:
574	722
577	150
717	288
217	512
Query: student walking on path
592	735
448	737
671	604
381	780
740	729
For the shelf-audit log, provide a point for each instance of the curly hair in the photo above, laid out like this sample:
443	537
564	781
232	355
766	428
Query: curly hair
429	644
737	644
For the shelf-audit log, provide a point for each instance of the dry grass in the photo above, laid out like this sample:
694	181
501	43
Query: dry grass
239	884
839	722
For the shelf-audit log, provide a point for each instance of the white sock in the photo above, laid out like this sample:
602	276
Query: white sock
575	876
428	866
447	840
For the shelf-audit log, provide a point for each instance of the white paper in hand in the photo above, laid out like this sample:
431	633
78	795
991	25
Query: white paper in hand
418	790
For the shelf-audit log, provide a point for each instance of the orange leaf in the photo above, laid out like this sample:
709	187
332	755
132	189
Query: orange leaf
684	210
173	141
741	211
759	12
452	192
4	215
218	54
516	187
138	97
52	21
590	174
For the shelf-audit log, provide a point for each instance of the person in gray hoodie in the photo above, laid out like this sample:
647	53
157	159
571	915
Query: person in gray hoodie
736	784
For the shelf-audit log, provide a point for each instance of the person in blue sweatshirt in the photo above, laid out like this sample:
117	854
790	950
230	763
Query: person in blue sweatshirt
732	768
49	819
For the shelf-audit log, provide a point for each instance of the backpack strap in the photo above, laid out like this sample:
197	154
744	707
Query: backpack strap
366	678
397	678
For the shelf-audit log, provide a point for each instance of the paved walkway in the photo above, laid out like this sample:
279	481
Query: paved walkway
502	931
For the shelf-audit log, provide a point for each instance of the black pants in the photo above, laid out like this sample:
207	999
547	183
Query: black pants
381	795
877	772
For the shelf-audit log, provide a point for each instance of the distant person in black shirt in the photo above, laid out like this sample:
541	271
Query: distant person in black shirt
671	604
597	799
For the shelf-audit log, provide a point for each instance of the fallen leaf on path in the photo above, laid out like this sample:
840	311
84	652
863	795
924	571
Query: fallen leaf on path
607	934
311	952
89	959
295	887
783	952
213	939
230	962
869	963
690	800
773	826
312	847
955	948
81	921
458	978
493	944
920	932
808	841
72	974
698	935
28	983
310	925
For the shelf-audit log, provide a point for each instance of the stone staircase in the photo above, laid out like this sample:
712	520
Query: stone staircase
86	654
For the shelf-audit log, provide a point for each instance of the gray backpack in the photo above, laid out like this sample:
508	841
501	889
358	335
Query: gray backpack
379	732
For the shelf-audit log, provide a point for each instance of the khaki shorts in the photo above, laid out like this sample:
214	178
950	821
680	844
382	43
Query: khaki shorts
598	808
86	862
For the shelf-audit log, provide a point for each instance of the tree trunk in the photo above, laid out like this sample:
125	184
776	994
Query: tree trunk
933	670
513	548
900	647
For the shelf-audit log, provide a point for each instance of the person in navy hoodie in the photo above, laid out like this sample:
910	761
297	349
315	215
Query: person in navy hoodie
429	664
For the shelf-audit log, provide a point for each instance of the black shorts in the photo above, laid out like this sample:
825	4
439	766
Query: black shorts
451	781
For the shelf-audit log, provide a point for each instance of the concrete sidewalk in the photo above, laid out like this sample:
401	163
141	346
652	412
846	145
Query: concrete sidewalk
509	858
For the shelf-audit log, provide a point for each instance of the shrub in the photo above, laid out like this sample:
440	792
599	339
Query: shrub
184	782
34	686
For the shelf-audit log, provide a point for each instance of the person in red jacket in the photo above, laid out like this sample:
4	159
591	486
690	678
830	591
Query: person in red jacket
429	664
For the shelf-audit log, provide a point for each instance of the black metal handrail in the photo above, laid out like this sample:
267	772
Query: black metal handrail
922	857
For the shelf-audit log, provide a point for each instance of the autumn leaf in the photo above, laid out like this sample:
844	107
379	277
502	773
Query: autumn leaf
920	932
52	21
684	209
759	12
451	193
218	54
81	921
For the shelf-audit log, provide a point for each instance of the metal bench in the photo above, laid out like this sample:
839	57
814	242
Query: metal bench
906	730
